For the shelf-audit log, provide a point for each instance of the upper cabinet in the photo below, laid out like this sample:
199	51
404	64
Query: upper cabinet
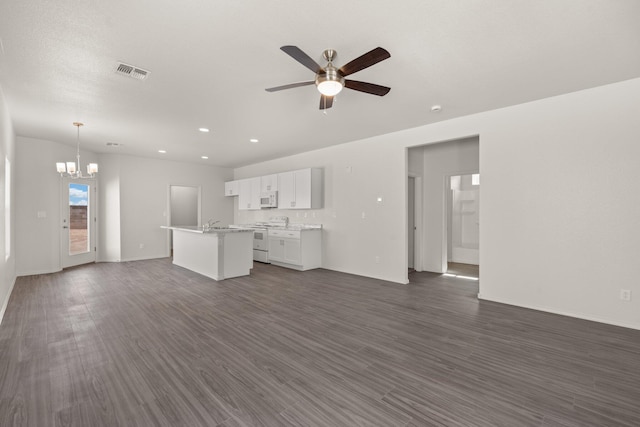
249	194
231	188
269	182
300	189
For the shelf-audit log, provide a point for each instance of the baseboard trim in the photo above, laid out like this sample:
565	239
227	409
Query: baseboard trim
564	313
35	273
5	304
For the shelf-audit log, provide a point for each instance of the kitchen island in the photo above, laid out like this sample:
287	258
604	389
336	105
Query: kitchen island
217	252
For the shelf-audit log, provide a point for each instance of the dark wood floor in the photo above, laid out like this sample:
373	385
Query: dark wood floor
469	270
146	343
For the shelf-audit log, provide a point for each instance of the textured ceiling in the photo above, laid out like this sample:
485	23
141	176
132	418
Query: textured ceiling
210	61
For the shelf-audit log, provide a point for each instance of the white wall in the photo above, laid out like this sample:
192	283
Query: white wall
109	241
355	175
440	161
463	220
184	205
567	246
133	200
144	201
38	190
7	261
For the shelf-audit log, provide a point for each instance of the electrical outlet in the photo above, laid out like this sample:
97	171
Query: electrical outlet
377	259
141	245
625	294
363	215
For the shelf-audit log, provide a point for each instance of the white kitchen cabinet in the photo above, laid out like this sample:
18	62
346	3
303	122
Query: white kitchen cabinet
269	182
249	194
300	250
300	189
231	188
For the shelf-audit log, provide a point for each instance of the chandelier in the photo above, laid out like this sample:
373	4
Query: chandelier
72	169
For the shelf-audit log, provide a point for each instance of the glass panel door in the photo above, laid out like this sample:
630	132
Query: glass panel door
78	206
78	222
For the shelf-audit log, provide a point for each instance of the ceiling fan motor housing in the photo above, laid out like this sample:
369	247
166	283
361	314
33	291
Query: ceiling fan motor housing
330	73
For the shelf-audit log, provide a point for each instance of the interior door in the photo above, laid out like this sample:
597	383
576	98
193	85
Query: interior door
411	221
77	241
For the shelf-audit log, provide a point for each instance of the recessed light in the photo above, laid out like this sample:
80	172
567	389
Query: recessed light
436	108
203	130
253	140
162	151
204	157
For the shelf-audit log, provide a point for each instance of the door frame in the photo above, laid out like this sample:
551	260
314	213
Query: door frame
447	211
417	211
66	260
168	212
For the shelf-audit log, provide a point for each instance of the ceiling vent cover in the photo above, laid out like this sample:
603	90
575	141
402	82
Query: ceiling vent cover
131	71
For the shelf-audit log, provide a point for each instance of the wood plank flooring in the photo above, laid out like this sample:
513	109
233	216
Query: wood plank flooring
150	344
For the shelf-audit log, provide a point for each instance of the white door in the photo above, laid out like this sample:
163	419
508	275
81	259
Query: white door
78	243
269	182
302	182
244	195
286	190
411	220
292	253
255	193
276	249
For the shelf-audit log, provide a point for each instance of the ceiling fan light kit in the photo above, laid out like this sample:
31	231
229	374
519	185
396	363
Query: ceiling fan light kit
330	80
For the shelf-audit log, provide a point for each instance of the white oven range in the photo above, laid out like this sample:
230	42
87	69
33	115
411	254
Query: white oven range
261	236
261	245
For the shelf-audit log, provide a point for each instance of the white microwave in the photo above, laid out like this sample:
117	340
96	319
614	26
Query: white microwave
269	199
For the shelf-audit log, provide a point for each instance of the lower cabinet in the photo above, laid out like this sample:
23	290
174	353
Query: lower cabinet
300	250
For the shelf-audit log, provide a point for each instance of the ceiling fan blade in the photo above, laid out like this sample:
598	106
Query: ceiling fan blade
367	60
365	87
326	102
289	86
296	53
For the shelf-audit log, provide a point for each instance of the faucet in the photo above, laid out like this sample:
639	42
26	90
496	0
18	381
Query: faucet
209	225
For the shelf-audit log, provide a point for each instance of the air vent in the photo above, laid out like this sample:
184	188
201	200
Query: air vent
113	144
131	71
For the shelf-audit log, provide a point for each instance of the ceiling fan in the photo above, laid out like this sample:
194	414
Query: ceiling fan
330	80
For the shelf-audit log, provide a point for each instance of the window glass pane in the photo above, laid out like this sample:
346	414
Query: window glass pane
78	218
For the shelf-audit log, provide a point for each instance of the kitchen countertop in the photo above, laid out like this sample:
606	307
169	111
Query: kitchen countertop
201	230
293	227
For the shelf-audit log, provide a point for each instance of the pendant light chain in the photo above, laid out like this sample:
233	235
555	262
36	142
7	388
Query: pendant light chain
78	170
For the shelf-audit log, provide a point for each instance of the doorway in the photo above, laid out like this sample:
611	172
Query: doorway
463	224
411	221
184	207
414	222
434	163
78	240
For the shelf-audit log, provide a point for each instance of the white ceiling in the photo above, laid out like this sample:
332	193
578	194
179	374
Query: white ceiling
210	61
